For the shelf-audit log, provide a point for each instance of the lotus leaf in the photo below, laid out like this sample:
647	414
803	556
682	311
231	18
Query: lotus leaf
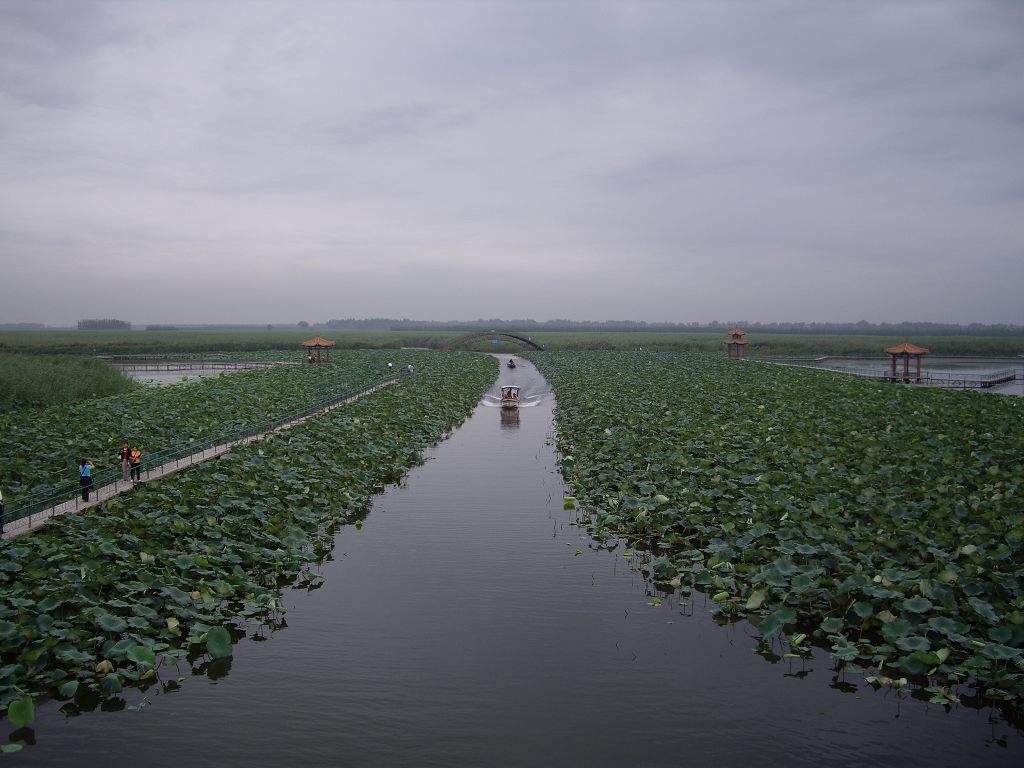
917	605
111	683
22	712
112	623
914	643
756	599
832	625
141	654
218	643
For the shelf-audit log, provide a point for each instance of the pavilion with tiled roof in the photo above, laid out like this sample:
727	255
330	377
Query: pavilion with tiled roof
906	350
318	344
735	343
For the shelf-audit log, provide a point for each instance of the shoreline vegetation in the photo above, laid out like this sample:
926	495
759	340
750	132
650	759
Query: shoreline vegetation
39	381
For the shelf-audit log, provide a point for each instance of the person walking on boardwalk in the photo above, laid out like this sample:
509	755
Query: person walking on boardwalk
124	455
135	457
85	477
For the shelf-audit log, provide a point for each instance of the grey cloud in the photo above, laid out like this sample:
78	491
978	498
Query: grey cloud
42	45
629	159
669	169
385	124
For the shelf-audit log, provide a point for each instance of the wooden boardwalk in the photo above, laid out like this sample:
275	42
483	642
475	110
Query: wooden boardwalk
944	379
107	492
240	365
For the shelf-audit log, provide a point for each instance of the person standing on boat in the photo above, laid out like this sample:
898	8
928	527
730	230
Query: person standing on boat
85	477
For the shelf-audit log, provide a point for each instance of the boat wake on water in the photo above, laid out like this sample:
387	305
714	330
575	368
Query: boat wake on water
493	401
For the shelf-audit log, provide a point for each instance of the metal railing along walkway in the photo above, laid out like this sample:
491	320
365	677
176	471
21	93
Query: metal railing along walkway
203	365
33	511
947	379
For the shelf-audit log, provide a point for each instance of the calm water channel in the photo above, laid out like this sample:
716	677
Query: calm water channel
470	624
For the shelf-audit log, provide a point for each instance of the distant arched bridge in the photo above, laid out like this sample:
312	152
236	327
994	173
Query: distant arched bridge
464	340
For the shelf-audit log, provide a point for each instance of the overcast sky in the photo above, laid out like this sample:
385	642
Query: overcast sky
258	161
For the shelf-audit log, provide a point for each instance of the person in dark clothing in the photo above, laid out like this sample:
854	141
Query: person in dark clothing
135	461
85	477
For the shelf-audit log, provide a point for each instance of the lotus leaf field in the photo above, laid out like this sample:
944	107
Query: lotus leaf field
41	447
880	521
173	571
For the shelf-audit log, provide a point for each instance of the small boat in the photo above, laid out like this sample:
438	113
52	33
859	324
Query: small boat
509	396
511	363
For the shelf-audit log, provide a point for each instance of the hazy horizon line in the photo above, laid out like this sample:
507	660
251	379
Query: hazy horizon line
512	322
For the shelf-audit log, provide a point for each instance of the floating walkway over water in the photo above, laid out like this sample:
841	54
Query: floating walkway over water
949	379
144	363
35	518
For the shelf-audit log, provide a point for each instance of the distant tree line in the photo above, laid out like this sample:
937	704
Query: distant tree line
106	324
371	324
496	324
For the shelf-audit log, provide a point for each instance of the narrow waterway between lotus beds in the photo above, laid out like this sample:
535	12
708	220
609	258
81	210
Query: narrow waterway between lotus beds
468	622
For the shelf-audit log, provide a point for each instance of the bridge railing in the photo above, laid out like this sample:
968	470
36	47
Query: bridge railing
203	365
461	340
947	379
181	455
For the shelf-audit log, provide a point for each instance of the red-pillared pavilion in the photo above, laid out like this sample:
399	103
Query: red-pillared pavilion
318	345
735	343
906	350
